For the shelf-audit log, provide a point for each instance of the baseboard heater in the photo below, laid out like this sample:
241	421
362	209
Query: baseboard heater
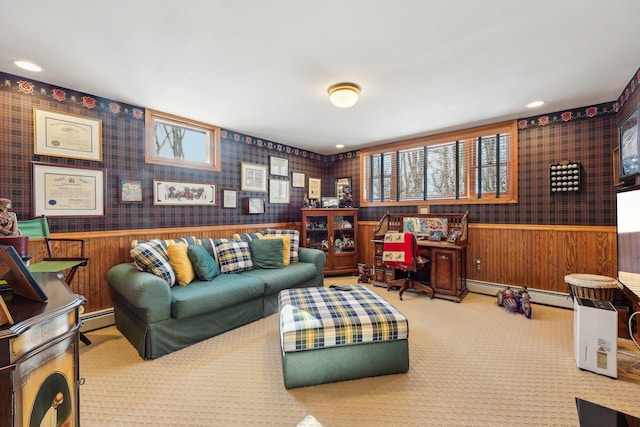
103	318
538	296
97	320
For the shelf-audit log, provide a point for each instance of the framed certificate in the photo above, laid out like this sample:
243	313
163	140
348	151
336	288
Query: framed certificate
64	191
67	135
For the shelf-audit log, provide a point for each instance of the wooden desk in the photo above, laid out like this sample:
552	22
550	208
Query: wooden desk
447	276
39	356
448	271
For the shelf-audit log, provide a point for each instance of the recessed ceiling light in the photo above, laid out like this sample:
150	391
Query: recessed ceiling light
340	146
29	66
535	104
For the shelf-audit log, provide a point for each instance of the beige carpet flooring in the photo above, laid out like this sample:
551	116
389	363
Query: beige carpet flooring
471	364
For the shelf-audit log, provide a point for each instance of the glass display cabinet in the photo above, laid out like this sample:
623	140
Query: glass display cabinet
334	232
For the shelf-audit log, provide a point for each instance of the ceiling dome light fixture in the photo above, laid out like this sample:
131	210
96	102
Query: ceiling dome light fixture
344	95
29	66
535	104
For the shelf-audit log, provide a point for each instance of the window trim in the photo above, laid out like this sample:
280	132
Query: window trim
509	127
213	163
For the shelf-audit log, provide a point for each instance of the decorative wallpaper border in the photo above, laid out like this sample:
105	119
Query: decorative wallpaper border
25	86
11	83
629	90
568	115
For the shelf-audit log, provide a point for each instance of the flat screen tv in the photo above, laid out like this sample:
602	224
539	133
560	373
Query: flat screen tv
629	146
629	238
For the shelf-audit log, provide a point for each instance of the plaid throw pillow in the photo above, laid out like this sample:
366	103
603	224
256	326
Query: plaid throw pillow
247	237
188	240
233	256
294	237
153	258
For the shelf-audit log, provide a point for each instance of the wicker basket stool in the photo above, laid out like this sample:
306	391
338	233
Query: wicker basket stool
592	286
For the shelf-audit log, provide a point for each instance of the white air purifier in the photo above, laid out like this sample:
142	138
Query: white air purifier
595	335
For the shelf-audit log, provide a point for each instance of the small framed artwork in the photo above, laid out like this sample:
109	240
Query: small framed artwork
278	166
253	205
629	146
67	135
253	177
435	235
278	191
229	199
297	180
315	184
130	190
340	184
64	191
453	236
330	202
183	193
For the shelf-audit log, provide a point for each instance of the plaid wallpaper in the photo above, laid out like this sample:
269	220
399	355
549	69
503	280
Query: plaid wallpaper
586	135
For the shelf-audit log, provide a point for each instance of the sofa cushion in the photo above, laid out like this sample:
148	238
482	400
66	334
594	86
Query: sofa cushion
152	257
283	278
204	266
286	248
267	253
181	263
204	297
233	256
294	235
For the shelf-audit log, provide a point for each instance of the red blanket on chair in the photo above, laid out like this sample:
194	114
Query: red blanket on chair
399	250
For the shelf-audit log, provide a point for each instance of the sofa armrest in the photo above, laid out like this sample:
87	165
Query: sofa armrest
141	290
315	256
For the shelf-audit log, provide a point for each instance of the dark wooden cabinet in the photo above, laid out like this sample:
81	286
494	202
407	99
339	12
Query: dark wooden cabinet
39	357
334	232
448	276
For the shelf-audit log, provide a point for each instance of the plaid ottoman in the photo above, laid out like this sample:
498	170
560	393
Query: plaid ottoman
343	333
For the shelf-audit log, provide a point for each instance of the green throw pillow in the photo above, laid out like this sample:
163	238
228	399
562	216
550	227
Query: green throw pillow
267	253
204	265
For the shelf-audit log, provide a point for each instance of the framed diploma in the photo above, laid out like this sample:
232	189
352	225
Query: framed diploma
65	191
67	135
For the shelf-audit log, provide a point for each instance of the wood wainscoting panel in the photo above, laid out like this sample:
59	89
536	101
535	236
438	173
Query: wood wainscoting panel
106	249
536	256
539	256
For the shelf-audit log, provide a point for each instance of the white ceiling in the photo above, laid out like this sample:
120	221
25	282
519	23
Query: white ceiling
262	67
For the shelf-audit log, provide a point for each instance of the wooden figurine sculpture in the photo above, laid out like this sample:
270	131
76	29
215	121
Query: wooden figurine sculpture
8	219
515	301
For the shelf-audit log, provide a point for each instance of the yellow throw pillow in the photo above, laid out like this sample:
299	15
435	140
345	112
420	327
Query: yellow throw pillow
179	260
286	247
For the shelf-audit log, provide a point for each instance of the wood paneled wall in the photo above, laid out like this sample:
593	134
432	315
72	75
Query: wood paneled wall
522	255
534	256
106	249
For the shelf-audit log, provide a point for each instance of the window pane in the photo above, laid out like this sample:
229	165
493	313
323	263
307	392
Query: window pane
411	174
441	170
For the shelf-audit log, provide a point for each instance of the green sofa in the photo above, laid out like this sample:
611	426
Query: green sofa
158	319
